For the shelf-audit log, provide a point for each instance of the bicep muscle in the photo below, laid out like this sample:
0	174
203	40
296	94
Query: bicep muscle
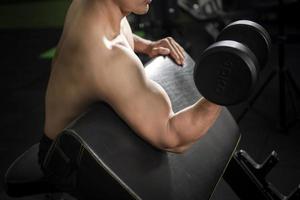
142	103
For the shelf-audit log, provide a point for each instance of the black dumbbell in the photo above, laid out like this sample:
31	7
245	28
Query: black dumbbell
227	70
251	34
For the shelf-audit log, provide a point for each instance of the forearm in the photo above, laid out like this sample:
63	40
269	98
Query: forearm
140	44
192	123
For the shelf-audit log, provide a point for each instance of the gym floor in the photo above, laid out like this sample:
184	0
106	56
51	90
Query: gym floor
25	72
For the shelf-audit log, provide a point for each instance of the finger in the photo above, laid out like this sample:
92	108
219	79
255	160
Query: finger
173	52
179	51
159	51
163	51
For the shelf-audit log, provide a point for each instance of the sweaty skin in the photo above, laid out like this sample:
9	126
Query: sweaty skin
95	61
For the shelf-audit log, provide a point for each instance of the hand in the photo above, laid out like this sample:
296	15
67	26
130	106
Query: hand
166	46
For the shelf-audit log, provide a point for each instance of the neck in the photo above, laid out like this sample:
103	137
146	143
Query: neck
107	14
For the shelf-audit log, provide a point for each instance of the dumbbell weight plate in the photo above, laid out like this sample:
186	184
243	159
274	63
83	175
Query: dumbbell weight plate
251	34
226	72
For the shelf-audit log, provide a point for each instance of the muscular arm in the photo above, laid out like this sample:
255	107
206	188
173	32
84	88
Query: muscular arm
145	106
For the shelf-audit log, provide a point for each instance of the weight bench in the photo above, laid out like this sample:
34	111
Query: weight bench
100	157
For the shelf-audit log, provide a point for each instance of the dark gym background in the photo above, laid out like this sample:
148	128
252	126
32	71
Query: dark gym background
29	32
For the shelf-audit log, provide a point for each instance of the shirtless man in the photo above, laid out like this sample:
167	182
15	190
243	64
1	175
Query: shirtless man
95	61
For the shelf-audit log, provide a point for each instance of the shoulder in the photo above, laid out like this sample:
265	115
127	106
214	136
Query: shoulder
119	66
113	56
122	55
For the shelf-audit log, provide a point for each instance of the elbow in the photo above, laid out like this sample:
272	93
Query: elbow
182	146
178	150
169	147
173	144
176	140
172	149
178	145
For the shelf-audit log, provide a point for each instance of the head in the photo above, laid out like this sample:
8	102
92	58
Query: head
138	7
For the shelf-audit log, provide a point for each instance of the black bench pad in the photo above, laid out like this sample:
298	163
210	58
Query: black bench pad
113	162
143	171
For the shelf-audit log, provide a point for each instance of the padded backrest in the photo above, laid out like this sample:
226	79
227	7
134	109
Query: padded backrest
113	161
